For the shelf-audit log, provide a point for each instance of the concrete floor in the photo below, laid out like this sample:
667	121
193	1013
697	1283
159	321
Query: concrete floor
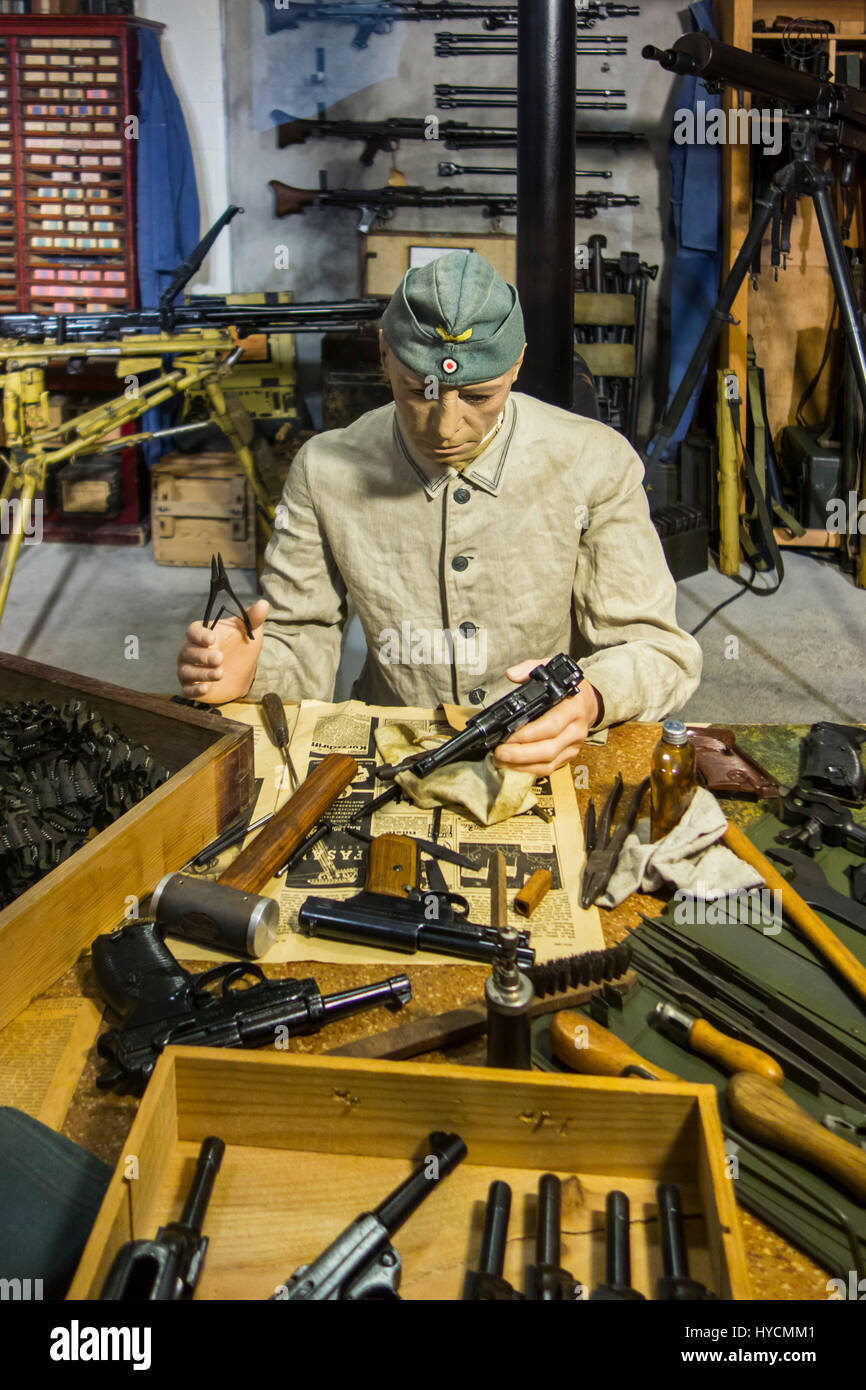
797	656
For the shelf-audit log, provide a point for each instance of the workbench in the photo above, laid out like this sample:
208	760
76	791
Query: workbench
100	1122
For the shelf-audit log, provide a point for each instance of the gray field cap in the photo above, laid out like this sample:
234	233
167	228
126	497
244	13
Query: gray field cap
455	319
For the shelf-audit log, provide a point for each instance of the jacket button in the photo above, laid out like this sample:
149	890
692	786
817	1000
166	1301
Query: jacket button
462	494
460	563
468	629
476	697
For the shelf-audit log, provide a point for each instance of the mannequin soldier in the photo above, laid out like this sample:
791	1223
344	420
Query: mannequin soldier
476	532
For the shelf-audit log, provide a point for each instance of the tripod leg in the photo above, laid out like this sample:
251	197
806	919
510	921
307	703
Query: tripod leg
850	314
18	508
765	207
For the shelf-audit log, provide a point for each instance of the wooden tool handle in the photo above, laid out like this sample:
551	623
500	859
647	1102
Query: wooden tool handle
766	1113
533	892
274	713
256	865
589	1048
392	866
733	1055
799	913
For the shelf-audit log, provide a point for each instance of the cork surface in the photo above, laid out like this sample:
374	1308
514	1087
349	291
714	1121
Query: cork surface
100	1121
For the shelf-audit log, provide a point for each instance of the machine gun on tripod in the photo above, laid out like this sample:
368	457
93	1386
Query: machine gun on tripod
204	340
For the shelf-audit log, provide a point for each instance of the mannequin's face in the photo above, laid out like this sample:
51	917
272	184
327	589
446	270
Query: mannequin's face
448	428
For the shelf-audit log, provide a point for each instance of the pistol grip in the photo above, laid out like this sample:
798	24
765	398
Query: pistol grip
136	956
392	866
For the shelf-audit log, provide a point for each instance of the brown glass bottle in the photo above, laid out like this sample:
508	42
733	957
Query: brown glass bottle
673	778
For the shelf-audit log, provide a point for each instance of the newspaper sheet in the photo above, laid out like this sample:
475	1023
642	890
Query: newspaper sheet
337	865
42	1055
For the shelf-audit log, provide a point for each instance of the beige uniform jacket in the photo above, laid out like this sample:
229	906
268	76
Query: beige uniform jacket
543	544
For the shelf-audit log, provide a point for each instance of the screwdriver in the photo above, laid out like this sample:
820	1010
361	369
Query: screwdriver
759	1107
701	1037
274	716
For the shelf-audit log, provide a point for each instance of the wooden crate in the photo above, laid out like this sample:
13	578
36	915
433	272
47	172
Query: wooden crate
311	1142
201	504
45	930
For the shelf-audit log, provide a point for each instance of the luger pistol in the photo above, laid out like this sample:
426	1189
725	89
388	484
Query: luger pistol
395	914
547	687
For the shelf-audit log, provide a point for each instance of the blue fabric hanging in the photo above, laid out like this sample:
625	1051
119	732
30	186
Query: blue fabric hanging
695	223
168	218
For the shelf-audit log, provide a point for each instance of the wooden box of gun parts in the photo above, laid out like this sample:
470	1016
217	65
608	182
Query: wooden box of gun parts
202	504
45	929
312	1142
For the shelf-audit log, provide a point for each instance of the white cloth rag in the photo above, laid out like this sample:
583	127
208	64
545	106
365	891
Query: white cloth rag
690	858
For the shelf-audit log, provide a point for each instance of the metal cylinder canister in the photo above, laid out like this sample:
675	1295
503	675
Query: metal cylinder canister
214	915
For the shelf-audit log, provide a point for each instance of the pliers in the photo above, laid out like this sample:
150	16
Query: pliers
603	848
219	584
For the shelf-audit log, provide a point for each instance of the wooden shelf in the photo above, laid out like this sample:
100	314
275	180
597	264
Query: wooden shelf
98	53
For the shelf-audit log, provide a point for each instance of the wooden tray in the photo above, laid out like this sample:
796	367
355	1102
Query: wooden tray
311	1142
44	931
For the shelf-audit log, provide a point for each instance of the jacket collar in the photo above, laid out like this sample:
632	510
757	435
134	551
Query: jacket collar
486	471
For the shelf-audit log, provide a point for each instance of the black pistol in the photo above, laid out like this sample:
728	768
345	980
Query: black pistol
547	686
546	1280
487	1284
160	1003
362	1263
395	914
676	1285
168	1268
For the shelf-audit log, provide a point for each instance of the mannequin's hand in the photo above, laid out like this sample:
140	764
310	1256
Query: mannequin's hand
550	742
218	664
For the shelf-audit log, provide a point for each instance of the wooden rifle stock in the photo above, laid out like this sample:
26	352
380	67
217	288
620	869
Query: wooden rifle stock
293	133
291	201
256	865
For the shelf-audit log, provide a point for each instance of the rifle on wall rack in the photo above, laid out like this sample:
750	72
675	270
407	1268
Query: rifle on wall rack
380	204
384	136
380	16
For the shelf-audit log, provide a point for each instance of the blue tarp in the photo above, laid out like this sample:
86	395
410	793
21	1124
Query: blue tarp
695	223
168	216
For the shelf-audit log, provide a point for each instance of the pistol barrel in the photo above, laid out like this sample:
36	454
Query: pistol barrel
446	1151
393	993
198	1199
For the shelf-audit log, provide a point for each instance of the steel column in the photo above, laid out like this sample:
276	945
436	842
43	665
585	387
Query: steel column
546	80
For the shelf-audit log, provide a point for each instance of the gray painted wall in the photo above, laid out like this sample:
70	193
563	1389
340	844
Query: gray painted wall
395	77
